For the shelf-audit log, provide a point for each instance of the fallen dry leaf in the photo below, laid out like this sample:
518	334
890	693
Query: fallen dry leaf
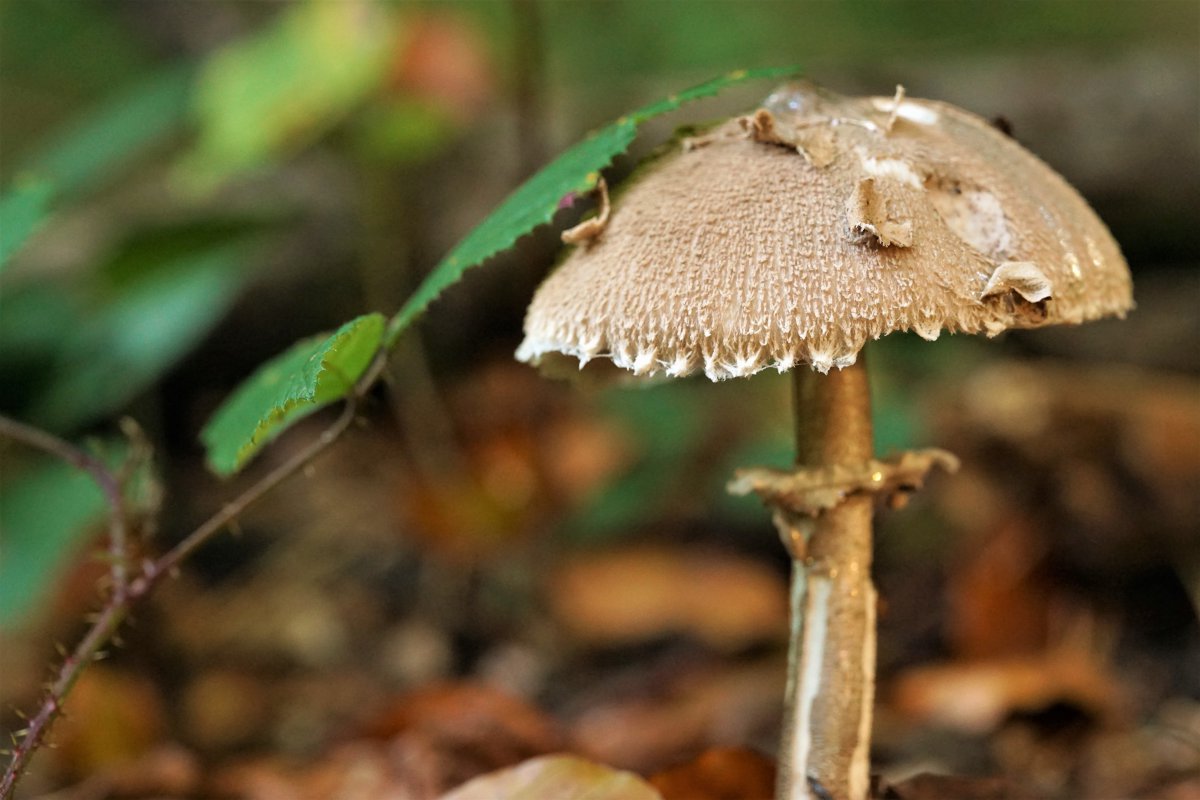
978	697
454	732
222	709
946	787
111	717
559	777
641	592
461	518
165	772
579	454
999	595
680	711
723	773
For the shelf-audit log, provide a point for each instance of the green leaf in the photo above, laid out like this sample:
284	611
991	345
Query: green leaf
535	202
91	149
48	512
311	374
53	55
403	131
44	513
102	141
34	316
156	310
276	92
22	210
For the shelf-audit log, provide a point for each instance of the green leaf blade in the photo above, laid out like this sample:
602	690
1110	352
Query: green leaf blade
709	89
99	144
45	514
530	206
309	375
147	323
22	211
271	94
536	201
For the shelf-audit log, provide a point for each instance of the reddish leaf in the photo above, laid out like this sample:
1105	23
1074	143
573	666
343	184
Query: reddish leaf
454	732
727	773
977	697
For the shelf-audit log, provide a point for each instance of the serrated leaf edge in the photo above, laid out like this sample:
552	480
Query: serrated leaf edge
269	425
626	125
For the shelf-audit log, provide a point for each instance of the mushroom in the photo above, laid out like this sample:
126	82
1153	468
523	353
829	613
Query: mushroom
788	239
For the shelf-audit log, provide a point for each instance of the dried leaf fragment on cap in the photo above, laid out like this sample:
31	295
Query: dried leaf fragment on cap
591	228
867	213
1020	289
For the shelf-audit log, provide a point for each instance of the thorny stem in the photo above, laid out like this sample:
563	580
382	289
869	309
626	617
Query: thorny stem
831	661
110	485
120	602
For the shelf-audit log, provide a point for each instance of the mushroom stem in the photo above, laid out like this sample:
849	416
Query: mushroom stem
825	747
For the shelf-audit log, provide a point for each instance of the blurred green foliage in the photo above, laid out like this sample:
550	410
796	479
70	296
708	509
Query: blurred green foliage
47	510
623	39
272	94
22	210
99	145
43	511
669	422
77	347
133	330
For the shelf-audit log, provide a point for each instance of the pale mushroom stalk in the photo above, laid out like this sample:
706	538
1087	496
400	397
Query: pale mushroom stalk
831	659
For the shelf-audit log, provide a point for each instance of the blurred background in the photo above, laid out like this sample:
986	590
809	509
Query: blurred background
495	565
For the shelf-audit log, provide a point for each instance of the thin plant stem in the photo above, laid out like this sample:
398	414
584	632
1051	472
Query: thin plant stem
528	95
104	478
119	603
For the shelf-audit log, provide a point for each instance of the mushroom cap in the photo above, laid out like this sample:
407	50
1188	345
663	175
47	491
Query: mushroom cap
796	235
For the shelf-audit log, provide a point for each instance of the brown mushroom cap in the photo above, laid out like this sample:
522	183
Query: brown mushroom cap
798	234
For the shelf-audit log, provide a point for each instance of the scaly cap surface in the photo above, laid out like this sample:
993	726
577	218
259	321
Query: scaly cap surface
797	234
